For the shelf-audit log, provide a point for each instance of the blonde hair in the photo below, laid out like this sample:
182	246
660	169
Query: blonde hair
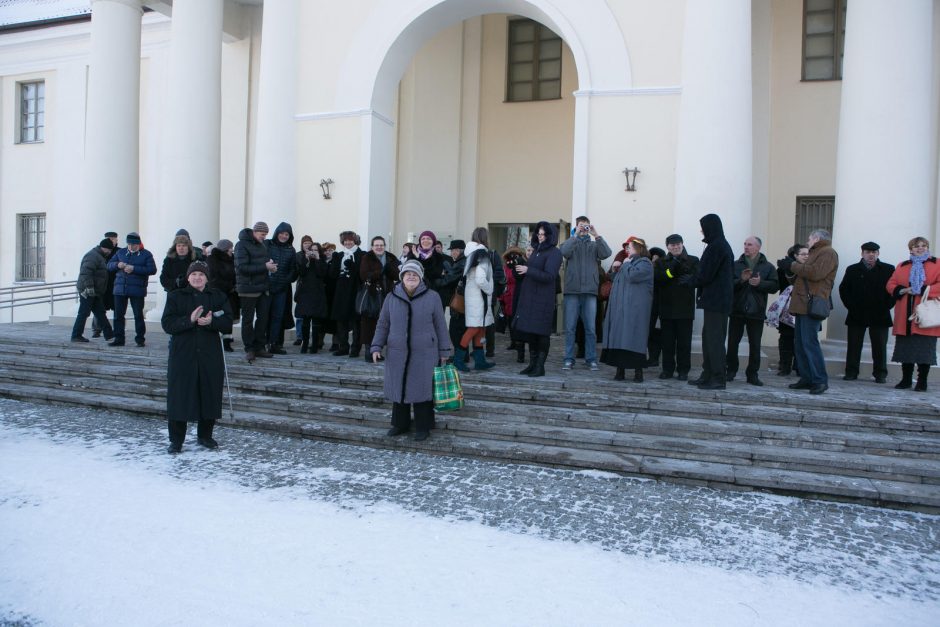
915	241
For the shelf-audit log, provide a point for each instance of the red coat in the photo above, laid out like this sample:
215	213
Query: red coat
906	303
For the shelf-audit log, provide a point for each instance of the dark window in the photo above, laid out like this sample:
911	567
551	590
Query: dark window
823	39
32	247
32	105
813	212
534	71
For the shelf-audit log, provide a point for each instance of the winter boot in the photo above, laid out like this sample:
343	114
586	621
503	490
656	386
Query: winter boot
922	371
520	354
638	375
304	347
620	375
459	356
539	369
479	360
533	357
785	367
227	342
907	373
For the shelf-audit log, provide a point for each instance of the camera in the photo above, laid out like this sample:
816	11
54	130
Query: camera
515	259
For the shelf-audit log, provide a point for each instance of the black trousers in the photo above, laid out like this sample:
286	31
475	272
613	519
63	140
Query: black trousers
177	429
256	311
676	337
343	327
424	415
737	325
878	336
714	333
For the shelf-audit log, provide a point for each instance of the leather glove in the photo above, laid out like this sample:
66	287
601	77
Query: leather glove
88	293
784	264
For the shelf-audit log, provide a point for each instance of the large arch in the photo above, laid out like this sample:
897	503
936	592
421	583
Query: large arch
395	31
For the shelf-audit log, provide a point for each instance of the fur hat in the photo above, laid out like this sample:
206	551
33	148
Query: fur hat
411	265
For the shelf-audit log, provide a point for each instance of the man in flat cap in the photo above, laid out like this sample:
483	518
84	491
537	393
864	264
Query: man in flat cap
133	267
863	293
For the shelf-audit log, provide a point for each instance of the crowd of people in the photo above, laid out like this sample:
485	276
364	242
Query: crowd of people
428	306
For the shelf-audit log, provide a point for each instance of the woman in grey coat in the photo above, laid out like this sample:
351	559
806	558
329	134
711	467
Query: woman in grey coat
627	325
412	326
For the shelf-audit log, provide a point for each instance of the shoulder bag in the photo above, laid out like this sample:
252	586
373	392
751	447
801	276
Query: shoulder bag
817	307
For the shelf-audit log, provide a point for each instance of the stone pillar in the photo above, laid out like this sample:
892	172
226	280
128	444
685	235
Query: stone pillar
885	168
190	174
274	180
113	120
714	153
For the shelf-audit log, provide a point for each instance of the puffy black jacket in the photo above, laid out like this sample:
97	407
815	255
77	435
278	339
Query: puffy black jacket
284	255
251	273
715	268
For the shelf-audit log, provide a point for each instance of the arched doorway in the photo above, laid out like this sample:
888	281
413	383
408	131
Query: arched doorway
389	41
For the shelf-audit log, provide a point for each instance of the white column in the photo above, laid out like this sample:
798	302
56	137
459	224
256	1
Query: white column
885	169
190	176
274	184
714	153
113	120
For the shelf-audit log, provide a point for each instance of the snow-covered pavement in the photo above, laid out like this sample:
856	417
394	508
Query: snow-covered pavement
99	526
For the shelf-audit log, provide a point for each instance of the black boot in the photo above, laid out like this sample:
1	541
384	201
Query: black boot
532	359
539	369
638	375
785	367
907	374
620	375
227	342
520	354
922	371
303	347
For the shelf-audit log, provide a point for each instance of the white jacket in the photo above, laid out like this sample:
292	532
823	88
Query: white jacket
479	283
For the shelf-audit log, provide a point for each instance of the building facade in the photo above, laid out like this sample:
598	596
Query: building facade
779	115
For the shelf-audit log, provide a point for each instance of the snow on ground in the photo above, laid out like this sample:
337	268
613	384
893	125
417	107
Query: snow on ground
102	530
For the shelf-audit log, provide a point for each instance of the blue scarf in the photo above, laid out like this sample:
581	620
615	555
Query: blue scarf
917	272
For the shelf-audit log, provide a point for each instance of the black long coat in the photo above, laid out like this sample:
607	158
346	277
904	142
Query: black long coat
864	295
310	294
536	307
714	274
676	301
195	371
345	275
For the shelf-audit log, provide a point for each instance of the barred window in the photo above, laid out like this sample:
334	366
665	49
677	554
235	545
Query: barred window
823	39
32	112
813	212
534	71
31	232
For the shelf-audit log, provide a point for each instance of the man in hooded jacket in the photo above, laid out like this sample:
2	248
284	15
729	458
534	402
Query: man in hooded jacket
281	252
715	294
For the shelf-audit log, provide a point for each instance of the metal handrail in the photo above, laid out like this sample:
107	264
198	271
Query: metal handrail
12	297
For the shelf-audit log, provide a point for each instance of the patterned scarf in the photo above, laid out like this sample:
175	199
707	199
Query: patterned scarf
917	272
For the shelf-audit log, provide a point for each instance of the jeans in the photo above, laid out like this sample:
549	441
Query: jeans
809	356
94	306
278	306
120	309
879	350
255	331
714	332
736	328
676	339
582	306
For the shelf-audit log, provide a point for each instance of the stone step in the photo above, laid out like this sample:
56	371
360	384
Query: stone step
896	468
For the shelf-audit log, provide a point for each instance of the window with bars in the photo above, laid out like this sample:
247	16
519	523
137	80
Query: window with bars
534	70
32	112
813	212
823	39
31	264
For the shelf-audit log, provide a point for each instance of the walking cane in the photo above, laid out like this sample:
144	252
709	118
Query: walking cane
231	408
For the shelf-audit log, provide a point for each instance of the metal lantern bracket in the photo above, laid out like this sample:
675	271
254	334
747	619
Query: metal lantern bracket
631	178
325	187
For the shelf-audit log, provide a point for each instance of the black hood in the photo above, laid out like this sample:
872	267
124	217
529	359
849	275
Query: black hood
283	227
551	238
246	235
712	228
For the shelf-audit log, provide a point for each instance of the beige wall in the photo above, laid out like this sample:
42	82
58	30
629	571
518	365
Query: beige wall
526	148
804	129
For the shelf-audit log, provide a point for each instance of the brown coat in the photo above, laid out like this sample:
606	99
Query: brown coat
820	274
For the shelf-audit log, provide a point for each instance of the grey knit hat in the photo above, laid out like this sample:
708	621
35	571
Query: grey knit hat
411	265
225	245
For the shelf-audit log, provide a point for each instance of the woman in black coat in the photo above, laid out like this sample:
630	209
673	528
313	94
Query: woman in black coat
310	295
221	263
344	271
378	271
194	317
176	263
537	295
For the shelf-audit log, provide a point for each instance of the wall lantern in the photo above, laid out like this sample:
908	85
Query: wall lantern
325	186
631	178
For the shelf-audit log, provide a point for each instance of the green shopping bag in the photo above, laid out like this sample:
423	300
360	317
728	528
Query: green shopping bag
448	395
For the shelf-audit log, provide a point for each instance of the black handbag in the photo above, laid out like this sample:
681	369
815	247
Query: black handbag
817	307
368	302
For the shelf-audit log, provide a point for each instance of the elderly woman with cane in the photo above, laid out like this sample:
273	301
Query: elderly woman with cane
412	326
194	318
